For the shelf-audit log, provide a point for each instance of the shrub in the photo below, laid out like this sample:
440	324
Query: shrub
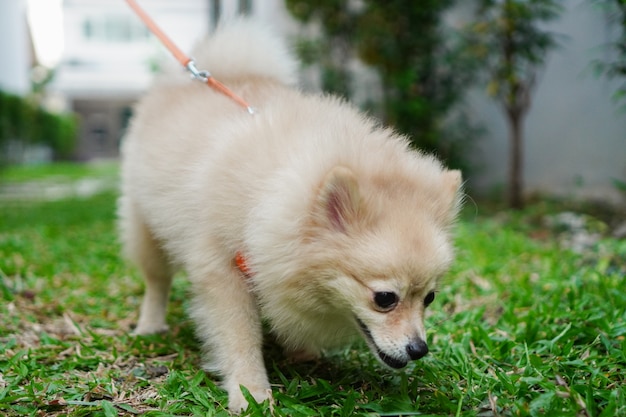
29	124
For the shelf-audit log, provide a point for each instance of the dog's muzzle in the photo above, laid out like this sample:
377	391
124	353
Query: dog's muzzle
415	349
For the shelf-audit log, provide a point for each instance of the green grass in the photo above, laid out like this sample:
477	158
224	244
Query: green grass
59	171
520	327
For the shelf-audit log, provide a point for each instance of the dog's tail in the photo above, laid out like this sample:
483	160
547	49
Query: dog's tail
244	48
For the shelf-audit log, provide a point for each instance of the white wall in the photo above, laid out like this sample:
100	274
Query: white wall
575	135
14	48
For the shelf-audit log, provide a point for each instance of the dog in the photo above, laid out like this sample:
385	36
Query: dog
307	215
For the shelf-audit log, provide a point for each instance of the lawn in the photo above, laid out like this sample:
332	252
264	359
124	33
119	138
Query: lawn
521	326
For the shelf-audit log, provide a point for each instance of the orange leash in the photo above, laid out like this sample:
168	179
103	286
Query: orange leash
185	61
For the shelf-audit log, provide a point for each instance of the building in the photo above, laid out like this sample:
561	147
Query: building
110	57
108	61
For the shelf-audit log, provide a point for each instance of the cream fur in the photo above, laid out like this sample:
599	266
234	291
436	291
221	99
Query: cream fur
327	206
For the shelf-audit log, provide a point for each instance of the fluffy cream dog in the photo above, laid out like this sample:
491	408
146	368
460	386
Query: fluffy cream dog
345	231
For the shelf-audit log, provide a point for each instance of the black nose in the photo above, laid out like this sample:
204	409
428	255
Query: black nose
417	349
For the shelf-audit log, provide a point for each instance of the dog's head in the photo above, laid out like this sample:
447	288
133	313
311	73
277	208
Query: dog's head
387	240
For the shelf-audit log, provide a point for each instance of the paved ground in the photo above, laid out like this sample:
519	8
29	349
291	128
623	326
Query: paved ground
51	189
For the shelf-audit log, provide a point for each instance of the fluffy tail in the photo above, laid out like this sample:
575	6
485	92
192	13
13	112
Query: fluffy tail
243	48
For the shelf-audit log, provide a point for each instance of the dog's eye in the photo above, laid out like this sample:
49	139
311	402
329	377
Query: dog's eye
386	300
430	297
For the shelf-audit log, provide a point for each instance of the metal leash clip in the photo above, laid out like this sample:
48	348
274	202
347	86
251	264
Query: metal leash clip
206	78
200	75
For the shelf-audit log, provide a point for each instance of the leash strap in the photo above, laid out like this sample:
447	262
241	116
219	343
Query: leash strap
188	63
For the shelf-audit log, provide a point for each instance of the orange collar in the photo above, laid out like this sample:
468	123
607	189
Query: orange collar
242	264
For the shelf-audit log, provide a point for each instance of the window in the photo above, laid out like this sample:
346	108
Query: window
113	29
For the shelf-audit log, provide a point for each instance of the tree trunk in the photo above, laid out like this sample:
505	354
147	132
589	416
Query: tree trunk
516	160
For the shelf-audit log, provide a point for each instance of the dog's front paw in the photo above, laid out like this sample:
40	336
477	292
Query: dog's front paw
146	327
238	403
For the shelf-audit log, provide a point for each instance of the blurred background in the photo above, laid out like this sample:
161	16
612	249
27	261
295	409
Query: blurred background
527	97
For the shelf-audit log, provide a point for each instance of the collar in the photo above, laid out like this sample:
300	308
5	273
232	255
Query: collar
242	264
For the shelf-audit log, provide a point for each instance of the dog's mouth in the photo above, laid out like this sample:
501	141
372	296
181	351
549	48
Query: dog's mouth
390	361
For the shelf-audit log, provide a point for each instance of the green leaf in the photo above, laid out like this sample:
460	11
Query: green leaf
108	408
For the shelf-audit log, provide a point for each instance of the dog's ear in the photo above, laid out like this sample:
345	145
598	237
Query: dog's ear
452	180
338	201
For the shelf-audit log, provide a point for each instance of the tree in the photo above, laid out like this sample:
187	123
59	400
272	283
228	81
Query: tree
333	50
509	37
422	77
